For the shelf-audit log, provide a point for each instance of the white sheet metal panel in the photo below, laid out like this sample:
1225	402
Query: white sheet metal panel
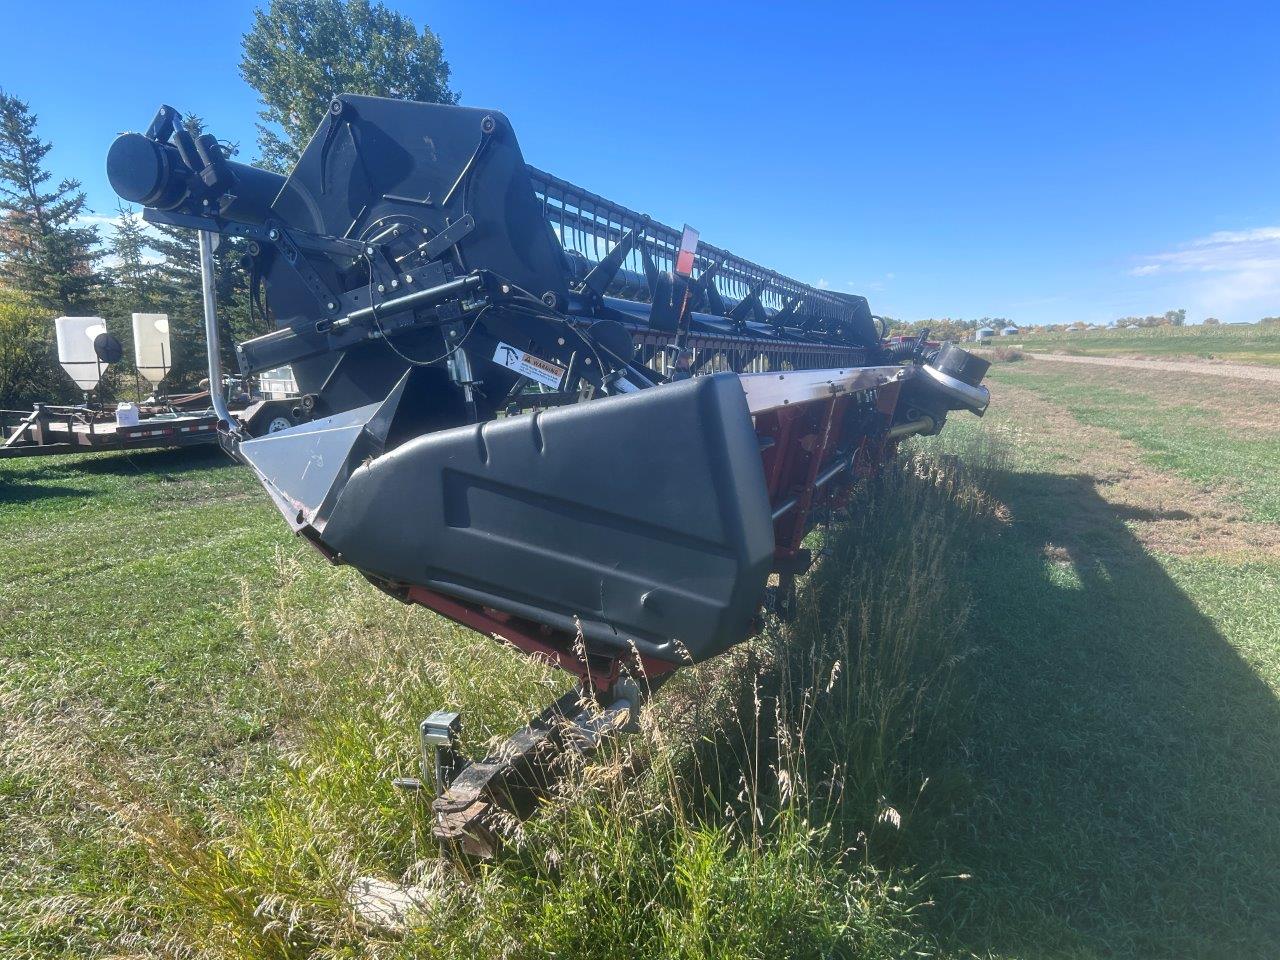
75	349
768	391
151	351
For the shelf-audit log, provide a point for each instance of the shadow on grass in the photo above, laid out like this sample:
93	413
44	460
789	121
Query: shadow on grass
1118	782
29	479
17	493
173	461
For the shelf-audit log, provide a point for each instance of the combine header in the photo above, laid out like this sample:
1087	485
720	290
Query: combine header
535	411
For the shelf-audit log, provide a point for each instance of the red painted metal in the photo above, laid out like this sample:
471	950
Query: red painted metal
801	441
775	429
538	640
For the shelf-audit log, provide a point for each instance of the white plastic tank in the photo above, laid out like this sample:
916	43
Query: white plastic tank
126	415
151	351
75	349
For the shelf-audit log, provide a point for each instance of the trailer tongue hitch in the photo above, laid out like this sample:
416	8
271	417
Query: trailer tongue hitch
535	411
472	809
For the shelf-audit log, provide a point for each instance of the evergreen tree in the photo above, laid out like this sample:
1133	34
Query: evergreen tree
301	53
44	252
131	277
177	279
179	293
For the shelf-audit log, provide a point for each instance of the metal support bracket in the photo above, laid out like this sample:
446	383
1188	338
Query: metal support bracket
440	733
602	274
442	759
447	237
511	780
217	389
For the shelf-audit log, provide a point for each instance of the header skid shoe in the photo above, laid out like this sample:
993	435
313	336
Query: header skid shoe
641	520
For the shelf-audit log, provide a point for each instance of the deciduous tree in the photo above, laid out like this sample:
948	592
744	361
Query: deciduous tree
29	370
299	54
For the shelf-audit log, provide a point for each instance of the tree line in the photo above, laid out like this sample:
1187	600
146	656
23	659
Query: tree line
948	328
945	328
55	260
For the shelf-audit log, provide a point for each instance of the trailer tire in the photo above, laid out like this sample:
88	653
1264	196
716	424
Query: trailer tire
280	421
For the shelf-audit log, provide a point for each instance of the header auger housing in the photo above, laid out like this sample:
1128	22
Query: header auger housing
531	409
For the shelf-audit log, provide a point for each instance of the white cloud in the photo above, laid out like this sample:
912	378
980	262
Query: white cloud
1256	235
98	220
865	286
1226	271
822	283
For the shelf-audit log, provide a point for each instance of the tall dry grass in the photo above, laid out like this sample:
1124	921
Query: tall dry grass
866	671
745	819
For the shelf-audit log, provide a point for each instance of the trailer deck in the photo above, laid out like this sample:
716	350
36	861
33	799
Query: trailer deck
51	430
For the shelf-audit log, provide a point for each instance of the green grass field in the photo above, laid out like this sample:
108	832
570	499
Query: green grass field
1252	343
1029	710
1124	753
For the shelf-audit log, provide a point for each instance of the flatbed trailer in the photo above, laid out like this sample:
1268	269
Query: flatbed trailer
49	430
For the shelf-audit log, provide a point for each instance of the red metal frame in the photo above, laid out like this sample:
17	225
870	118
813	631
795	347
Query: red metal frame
800	442
538	640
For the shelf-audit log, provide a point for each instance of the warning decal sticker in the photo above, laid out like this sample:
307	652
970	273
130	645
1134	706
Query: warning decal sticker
527	365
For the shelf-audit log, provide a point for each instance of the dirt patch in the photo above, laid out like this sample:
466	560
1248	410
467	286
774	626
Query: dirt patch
1236	404
1208	367
1165	512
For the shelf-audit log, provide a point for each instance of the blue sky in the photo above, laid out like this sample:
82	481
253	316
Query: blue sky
1042	162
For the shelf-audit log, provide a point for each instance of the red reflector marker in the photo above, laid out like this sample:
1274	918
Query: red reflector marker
688	247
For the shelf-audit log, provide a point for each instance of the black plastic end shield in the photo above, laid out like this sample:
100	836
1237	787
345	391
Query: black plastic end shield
644	516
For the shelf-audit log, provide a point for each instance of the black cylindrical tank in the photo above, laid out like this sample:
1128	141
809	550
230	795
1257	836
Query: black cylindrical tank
153	174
